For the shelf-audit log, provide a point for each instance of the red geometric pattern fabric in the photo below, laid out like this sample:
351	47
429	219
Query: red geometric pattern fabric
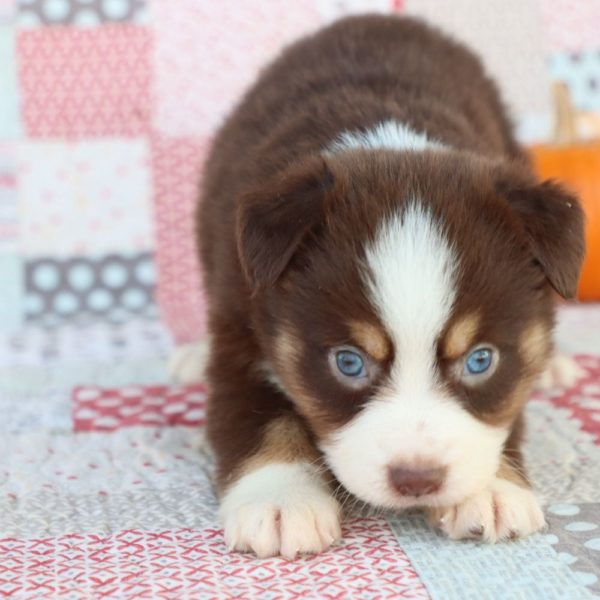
85	82
176	169
97	409
583	400
195	564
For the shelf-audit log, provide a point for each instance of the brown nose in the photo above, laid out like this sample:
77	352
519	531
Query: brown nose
416	482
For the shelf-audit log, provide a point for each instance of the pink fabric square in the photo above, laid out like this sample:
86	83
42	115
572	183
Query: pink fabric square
79	82
570	26
177	165
208	52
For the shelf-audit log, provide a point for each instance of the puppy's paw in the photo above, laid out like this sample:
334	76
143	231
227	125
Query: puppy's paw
503	511
187	363
284	509
561	371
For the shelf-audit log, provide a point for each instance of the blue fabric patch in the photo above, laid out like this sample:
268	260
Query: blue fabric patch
527	569
581	72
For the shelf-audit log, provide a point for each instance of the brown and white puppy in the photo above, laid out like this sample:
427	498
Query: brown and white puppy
380	264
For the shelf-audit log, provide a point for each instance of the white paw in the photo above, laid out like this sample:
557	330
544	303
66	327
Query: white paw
561	371
284	509
187	363
501	512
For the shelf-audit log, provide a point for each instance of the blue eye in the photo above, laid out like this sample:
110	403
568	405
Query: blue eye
350	363
479	361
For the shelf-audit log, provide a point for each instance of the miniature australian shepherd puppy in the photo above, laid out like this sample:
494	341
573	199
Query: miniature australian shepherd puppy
381	266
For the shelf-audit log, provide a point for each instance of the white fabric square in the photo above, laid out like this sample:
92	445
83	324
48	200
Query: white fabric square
85	198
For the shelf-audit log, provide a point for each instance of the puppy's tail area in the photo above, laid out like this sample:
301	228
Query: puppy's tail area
187	363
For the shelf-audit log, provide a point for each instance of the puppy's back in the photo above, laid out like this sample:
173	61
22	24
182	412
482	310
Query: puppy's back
357	73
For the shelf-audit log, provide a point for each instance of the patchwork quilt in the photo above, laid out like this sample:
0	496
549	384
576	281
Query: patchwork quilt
106	490
107	110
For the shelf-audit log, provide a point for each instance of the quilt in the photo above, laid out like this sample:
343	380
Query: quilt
107	111
106	488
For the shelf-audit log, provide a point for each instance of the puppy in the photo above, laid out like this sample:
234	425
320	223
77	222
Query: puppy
381	265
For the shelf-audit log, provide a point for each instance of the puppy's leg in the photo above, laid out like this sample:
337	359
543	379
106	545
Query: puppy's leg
187	362
278	501
562	371
505	509
275	499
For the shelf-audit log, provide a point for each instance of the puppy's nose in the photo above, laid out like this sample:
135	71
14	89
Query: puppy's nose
416	481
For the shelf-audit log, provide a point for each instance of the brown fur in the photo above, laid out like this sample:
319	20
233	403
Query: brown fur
283	440
287	357
275	211
512	472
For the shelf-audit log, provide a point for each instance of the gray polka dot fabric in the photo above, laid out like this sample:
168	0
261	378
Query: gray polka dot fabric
113	287
80	12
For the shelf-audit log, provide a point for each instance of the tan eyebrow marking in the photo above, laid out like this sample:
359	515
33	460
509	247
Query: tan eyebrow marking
535	344
461	335
371	338
288	353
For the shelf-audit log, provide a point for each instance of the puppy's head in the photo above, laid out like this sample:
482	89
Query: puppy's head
406	304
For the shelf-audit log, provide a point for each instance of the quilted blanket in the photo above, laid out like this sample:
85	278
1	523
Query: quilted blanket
107	109
105	488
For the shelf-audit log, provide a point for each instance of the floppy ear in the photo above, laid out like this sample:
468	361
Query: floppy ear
554	225
273	221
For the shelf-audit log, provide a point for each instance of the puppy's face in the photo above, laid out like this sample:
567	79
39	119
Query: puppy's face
407	305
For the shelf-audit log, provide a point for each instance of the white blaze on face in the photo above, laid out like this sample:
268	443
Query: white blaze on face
412	282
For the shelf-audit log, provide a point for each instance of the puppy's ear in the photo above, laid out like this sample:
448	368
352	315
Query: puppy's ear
273	221
553	221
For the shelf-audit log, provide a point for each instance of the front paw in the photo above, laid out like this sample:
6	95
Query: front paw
284	509
503	511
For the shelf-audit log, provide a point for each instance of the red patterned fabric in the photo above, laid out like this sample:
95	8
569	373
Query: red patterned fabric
195	564
176	168
86	82
96	409
583	399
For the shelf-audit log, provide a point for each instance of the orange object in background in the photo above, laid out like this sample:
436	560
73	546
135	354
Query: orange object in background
577	164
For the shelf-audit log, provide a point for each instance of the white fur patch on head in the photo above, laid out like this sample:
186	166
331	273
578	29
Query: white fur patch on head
389	135
412	284
412	420
281	508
